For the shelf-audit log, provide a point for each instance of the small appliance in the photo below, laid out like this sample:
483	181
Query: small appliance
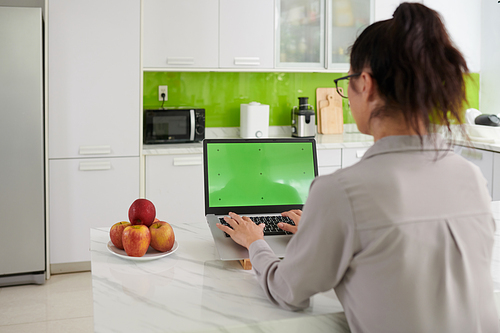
303	119
487	119
174	125
254	120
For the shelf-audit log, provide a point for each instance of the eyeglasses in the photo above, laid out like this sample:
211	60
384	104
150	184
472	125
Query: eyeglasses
340	90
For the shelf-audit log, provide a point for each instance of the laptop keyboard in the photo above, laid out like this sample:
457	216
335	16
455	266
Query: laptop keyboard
271	224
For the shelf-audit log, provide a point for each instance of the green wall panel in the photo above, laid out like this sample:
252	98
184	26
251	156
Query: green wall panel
221	93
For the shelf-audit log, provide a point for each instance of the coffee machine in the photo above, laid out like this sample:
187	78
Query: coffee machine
303	119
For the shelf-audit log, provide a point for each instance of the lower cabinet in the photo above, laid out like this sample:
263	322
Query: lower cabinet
496	177
483	159
174	183
87	193
329	160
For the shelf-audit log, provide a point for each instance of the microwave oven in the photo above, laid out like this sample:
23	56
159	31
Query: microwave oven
174	125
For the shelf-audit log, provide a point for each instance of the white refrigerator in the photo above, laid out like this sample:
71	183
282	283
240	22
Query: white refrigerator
22	188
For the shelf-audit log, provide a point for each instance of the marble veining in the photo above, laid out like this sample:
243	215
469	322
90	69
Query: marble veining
191	291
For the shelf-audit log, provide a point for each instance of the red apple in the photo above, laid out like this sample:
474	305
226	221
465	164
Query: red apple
162	236
116	232
142	211
136	239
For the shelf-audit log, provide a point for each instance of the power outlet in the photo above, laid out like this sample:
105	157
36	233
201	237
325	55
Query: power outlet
162	90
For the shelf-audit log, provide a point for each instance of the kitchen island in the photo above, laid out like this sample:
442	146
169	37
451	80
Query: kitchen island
191	291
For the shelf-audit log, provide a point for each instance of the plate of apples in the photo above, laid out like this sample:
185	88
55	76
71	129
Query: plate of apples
144	237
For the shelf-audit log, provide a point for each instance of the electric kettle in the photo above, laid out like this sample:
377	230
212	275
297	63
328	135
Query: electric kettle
303	119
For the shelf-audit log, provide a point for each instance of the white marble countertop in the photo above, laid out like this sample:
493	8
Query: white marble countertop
349	139
331	141
191	291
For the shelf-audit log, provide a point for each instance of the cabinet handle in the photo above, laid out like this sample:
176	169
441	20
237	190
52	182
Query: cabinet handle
247	61
193	125
360	153
95	150
94	166
180	61
472	154
179	161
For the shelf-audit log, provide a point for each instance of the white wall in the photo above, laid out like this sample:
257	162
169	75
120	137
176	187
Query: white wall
462	19
385	8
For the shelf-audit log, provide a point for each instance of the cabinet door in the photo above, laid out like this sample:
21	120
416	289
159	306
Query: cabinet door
496	177
87	193
174	183
347	20
329	160
94	78
482	158
490	66
246	34
300	36
181	33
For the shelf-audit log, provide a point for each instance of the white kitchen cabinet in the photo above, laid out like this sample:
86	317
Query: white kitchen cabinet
181	33
329	160
300	35
246	34
352	156
482	158
490	66
94	78
87	193
496	177
303	24
174	183
345	22
93	120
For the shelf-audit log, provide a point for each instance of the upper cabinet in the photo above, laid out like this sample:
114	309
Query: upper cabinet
317	34
300	35
181	33
94	78
251	34
246	34
347	19
208	34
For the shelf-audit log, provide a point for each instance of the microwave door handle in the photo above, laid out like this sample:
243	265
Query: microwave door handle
191	116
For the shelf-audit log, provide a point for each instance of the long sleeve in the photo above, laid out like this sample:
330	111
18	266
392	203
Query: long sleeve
317	256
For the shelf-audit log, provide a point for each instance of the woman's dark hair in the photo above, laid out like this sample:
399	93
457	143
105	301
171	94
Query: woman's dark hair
417	69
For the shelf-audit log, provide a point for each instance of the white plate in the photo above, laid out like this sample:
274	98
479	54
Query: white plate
151	254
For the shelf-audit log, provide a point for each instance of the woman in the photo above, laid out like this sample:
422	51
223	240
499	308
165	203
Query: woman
405	236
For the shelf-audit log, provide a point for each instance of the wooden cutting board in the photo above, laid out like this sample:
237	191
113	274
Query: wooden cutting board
330	112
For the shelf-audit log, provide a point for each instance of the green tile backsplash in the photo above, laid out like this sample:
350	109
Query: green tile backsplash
221	93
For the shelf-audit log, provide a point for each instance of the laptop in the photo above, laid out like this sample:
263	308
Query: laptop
255	178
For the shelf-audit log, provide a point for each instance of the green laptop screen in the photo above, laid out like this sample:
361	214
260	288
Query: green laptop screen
259	173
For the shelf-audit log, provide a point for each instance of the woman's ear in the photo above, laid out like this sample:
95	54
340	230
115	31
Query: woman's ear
367	86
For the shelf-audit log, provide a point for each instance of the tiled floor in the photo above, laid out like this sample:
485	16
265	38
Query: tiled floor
62	304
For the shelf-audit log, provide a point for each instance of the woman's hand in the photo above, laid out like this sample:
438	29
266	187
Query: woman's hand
294	215
244	231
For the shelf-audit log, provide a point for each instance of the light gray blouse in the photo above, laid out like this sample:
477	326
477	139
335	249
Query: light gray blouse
404	237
